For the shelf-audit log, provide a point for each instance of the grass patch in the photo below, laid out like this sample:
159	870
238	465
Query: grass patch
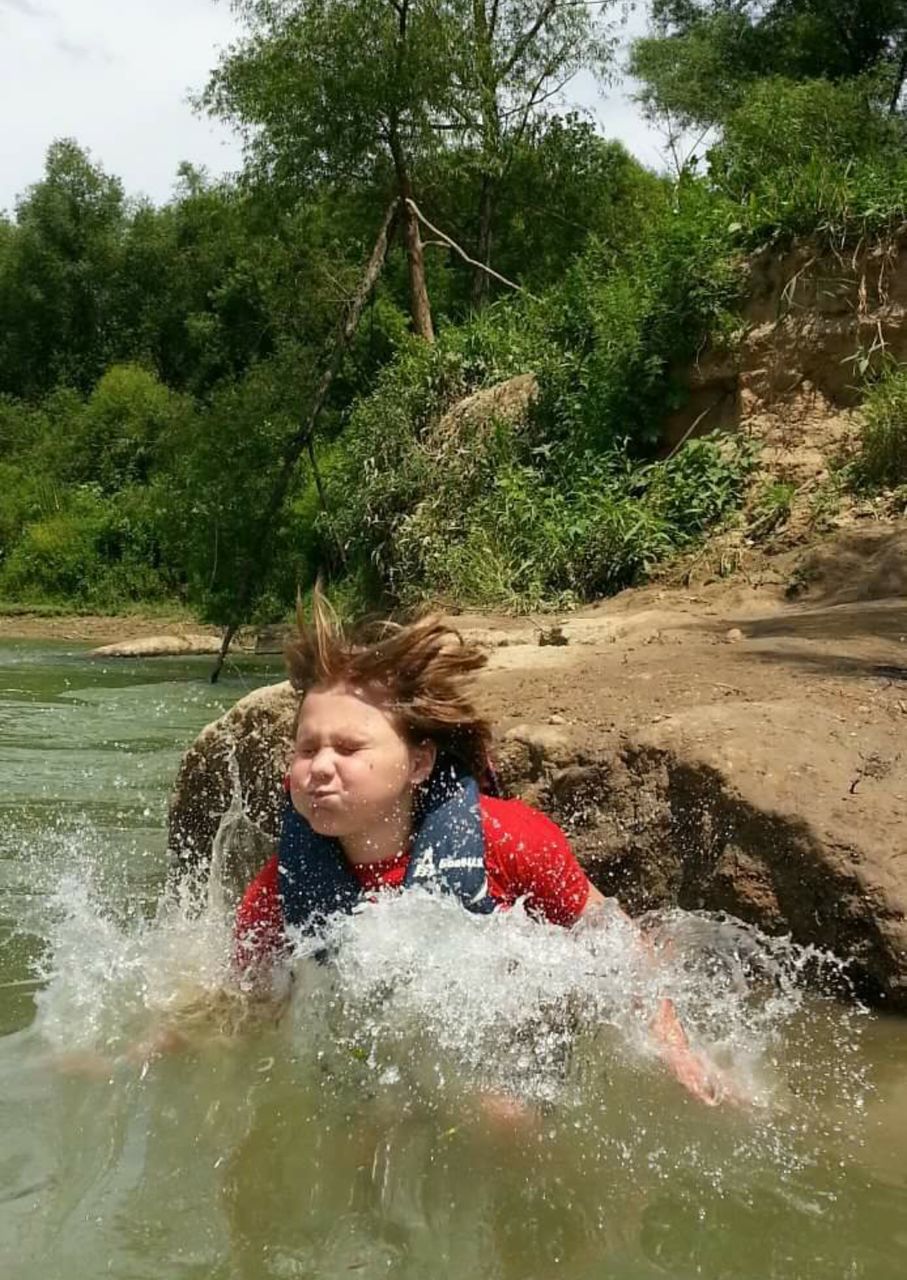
882	462
166	611
36	609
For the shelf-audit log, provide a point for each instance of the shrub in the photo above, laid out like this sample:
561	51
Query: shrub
489	518
771	507
27	495
93	552
112	441
215	476
563	505
21	425
812	158
883	460
617	337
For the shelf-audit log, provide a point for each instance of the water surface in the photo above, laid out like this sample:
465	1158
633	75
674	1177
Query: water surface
451	1096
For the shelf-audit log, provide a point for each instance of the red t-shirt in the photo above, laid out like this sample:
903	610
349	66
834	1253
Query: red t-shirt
526	856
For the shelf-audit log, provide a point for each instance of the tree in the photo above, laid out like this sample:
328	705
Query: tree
703	54
338	92
564	185
58	274
514	58
343	92
193	285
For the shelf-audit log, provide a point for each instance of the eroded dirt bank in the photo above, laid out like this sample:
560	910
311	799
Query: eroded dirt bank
726	748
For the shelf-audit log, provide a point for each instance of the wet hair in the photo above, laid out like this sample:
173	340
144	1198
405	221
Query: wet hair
425	667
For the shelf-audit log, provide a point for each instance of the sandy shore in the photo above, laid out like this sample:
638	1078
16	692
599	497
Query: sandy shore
98	629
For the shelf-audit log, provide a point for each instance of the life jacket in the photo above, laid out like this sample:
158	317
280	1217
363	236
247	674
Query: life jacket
448	852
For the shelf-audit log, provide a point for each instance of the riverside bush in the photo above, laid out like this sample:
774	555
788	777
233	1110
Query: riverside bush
112	440
487	515
530	540
96	552
812	158
618	336
569	502
882	462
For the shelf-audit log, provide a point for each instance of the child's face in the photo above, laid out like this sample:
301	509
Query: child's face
352	768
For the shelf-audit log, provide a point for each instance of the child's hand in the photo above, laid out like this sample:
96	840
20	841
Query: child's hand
698	1076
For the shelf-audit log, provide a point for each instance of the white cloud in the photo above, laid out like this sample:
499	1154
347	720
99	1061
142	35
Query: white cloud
116	75
82	52
618	116
27	7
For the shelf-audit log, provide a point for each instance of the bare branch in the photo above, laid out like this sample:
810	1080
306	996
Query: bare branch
303	440
900	77
452	244
546	12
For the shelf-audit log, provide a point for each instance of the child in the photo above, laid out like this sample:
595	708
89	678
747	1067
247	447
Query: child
388	788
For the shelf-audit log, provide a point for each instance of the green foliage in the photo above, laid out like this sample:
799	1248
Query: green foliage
58	275
702	56
530	538
812	159
215	476
322	87
27	496
771	507
475	510
382	93
883	460
694	72
564	188
20	427
93	551
317	84
700	484
157	364
113	441
620	333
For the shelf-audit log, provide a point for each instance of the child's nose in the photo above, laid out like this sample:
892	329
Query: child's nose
323	763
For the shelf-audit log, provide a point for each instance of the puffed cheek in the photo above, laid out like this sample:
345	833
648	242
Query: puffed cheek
297	772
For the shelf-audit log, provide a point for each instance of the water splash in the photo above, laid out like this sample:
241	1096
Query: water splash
114	972
414	983
388	1053
240	848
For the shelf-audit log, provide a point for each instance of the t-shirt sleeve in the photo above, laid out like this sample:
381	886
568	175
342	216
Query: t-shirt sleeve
528	856
259	919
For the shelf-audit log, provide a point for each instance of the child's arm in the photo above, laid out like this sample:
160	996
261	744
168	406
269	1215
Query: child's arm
694	1071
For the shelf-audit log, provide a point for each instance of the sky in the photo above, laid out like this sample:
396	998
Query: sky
116	75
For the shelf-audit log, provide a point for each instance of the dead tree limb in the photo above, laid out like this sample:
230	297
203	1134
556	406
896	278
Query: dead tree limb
254	573
452	244
900	77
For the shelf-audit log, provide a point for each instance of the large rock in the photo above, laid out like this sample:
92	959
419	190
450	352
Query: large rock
249	746
763	811
159	647
508	402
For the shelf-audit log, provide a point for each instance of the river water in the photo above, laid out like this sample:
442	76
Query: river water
450	1096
